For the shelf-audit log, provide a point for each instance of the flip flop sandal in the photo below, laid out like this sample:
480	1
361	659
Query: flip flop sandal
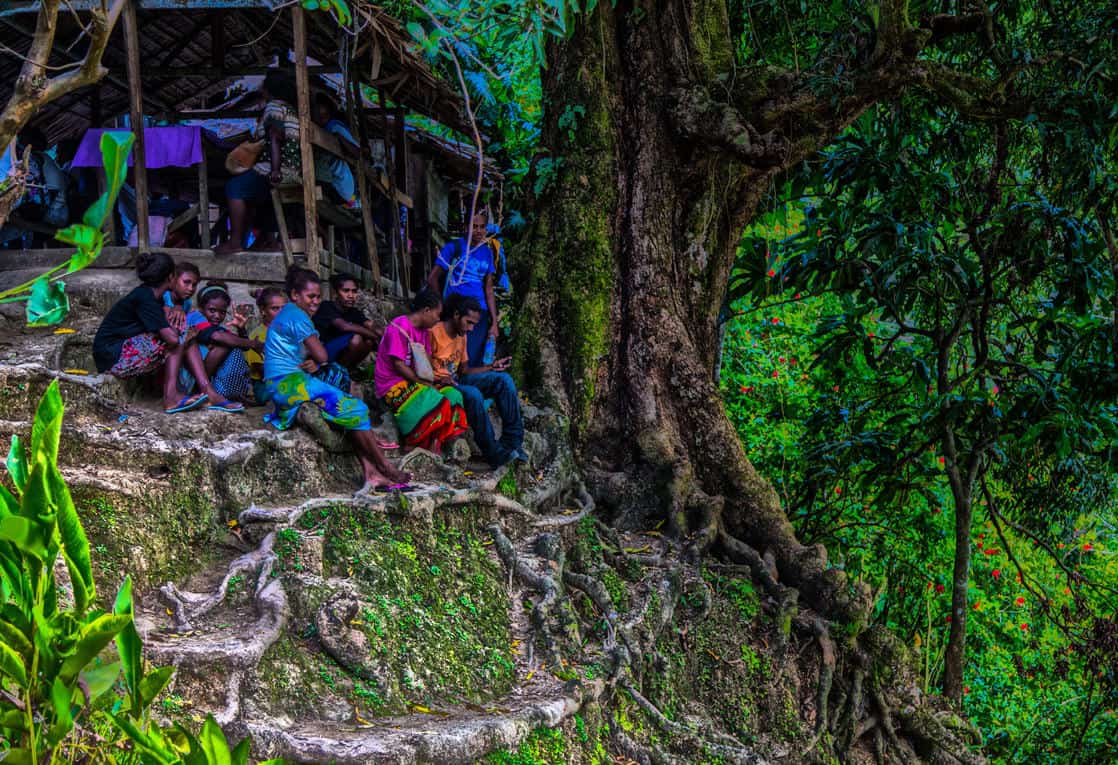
227	406
186	403
388	445
387	487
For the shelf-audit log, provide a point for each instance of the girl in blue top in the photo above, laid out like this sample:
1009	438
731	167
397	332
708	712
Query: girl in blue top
293	354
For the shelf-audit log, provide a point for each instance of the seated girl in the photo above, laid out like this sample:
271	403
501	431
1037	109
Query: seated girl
425	416
222	347
292	355
269	301
135	338
176	300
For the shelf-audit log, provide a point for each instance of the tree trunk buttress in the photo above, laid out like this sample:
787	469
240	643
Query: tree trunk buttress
624	277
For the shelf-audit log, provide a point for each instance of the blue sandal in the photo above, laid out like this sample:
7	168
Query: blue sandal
227	406
186	403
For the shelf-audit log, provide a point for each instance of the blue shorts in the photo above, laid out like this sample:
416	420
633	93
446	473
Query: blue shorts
335	347
248	185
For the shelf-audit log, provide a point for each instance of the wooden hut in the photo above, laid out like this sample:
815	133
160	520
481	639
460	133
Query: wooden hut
176	60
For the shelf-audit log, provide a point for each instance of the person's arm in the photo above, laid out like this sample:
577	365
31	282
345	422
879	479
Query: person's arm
401	367
435	279
275	141
358	329
169	336
316	354
233	340
499	365
491	300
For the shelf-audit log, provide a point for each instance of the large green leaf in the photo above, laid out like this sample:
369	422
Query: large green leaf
15	719
115	147
153	684
88	240
18	757
241	751
213	742
99	680
17	464
60	696
24	534
47	428
95	636
150	743
48	303
75	545
11	664
13	637
129	646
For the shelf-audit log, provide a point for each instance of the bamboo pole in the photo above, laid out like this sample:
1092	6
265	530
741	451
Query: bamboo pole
357	124
136	117
395	243
306	151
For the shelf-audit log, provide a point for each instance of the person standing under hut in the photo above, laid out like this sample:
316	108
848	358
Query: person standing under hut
281	162
470	270
348	335
135	338
222	347
293	353
427	417
476	384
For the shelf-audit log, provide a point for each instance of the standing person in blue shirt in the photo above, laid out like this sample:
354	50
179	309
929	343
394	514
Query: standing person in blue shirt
470	272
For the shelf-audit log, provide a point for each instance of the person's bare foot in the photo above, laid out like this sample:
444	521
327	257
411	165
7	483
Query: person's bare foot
270	244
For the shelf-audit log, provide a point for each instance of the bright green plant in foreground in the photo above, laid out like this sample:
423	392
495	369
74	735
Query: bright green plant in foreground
54	687
47	303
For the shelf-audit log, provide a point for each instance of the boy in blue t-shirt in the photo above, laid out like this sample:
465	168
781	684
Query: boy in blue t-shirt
471	274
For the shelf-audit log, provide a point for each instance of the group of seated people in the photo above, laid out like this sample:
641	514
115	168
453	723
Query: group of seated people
433	370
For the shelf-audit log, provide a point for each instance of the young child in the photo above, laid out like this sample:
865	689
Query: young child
176	299
348	335
135	338
222	347
269	300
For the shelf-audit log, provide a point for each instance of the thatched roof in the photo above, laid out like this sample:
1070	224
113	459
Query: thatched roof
178	68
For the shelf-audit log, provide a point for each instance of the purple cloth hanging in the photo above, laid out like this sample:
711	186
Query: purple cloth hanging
178	146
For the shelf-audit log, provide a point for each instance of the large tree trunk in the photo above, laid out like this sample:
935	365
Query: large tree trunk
629	265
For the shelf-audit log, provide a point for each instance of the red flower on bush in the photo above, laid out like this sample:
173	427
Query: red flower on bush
772	273
939	588
1024	627
1020	601
1087	547
776	320
775	373
996	573
949	619
991	551
966	689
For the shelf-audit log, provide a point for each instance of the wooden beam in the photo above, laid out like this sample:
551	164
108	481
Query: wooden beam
204	203
136	117
306	151
395	244
220	72
360	128
217	42
186	39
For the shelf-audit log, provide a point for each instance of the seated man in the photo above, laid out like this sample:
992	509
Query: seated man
449	359
348	335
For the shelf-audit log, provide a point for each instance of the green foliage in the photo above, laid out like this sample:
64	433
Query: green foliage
53	681
47	303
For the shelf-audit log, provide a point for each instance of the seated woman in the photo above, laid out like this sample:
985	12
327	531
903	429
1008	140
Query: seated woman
425	416
349	336
222	347
269	300
281	162
292	355
135	339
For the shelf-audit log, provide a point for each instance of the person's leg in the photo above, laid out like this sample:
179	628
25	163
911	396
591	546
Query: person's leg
171	394
192	360
240	191
377	469
500	387
473	401
215	356
476	339
355	351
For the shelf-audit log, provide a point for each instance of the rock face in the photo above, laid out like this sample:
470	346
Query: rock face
486	616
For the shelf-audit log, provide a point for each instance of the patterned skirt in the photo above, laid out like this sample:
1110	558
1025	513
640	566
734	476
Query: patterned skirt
288	393
426	416
140	355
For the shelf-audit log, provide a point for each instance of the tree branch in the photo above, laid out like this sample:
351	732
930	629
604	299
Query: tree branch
33	88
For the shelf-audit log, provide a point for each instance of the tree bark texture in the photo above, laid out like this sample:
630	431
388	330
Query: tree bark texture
660	157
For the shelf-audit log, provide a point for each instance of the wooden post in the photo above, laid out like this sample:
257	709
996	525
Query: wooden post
395	244
359	127
136	117
203	202
306	151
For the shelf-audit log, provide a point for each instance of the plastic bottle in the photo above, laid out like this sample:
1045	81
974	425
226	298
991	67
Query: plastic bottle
490	350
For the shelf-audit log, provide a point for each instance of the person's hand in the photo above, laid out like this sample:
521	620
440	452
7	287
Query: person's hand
494	329
310	366
500	365
275	177
176	317
444	381
257	346
238	321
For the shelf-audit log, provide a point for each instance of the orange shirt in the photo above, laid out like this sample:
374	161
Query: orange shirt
448	354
